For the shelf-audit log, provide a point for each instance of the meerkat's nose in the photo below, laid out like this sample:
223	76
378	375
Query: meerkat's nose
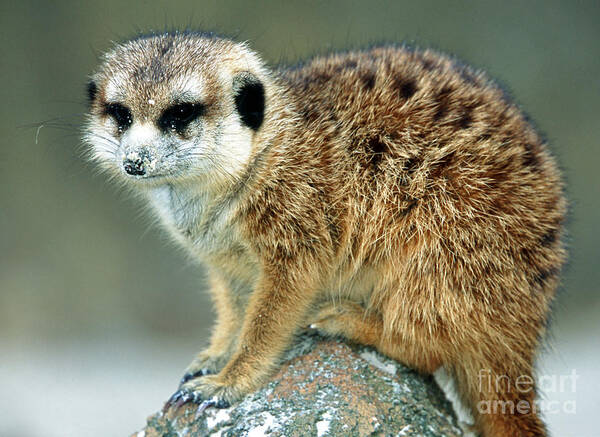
134	167
138	162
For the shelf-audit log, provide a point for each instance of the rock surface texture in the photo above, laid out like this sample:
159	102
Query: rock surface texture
324	388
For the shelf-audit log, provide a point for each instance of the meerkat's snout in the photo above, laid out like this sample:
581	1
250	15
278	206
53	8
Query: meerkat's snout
135	164
142	151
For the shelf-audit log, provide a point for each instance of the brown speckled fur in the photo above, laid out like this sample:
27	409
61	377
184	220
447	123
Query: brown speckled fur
397	198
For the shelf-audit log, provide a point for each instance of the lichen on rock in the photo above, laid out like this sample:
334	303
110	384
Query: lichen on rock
324	388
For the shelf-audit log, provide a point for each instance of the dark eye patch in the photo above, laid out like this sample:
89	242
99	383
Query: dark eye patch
121	114
179	116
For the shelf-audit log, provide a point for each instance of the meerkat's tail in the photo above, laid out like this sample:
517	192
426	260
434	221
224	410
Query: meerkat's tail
502	400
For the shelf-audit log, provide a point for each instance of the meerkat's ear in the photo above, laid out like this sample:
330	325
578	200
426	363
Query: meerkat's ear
92	91
249	95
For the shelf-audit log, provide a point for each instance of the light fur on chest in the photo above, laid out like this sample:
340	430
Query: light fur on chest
197	220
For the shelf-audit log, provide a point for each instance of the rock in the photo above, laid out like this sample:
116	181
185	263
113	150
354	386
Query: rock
324	388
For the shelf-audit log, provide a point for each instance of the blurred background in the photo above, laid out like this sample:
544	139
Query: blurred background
100	312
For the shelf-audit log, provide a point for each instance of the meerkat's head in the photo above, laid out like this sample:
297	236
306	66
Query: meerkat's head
176	107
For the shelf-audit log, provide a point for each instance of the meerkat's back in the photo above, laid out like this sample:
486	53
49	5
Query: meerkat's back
428	152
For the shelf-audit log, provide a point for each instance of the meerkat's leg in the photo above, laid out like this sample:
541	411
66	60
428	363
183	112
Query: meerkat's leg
275	313
229	309
502	397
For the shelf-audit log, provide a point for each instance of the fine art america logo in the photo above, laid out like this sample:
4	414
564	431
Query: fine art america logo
521	393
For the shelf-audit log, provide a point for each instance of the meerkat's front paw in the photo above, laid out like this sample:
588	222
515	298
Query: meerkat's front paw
206	391
203	365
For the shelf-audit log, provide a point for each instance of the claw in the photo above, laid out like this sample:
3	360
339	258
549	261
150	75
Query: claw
185	397
203	406
170	401
178	398
214	402
189	375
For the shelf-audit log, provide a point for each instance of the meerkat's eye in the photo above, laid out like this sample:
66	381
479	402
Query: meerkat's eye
178	117
121	114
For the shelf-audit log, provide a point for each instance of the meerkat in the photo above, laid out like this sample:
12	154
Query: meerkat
391	196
